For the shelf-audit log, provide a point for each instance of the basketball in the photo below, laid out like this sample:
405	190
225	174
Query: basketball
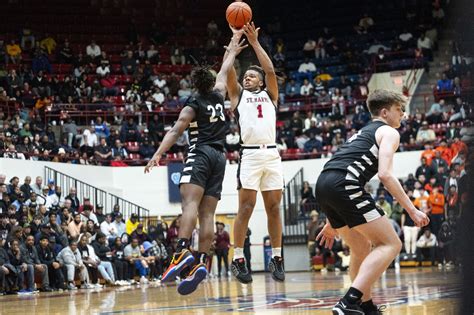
238	14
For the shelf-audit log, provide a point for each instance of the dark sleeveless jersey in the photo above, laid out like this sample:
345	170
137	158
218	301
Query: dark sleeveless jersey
359	155
209	126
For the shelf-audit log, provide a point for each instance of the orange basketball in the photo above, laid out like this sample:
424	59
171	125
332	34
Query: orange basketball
238	14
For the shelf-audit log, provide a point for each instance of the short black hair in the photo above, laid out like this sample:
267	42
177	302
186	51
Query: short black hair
203	79
259	70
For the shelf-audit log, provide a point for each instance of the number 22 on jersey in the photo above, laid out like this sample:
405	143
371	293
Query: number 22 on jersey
216	113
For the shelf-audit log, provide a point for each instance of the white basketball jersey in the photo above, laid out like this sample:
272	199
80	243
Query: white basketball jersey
257	118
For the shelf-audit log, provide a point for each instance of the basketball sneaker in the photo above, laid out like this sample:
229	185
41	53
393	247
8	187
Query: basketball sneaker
189	285
240	271
344	308
375	310
178	263
276	268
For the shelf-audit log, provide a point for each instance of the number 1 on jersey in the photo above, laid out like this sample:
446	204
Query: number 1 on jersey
260	112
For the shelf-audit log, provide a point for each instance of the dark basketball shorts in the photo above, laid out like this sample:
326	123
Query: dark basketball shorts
205	167
344	200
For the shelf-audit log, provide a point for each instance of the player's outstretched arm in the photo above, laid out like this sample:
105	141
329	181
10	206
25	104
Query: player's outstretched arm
236	45
265	62
389	140
233	86
185	117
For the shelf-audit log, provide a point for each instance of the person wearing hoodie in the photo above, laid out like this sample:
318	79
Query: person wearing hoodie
48	258
71	258
8	273
446	244
28	251
22	268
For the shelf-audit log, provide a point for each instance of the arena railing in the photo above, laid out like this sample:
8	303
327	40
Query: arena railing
95	194
294	221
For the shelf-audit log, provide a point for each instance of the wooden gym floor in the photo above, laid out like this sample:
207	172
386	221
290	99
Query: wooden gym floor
413	291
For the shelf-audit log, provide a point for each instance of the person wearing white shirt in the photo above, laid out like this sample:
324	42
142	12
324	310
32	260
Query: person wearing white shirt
405	36
42	198
308	121
38	185
307	66
102	70
426	45
151	52
109	229
89	138
119	225
158	96
87	214
93	50
161	83
426	246
306	89
54	200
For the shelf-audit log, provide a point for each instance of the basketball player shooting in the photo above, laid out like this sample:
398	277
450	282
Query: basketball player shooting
260	168
201	179
352	212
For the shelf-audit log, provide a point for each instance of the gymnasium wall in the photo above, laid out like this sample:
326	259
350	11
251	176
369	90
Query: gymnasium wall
151	190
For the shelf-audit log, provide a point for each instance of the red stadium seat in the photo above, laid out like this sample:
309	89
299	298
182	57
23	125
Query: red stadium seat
132	146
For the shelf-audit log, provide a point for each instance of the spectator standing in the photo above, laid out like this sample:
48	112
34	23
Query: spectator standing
410	232
426	46
222	248
437	202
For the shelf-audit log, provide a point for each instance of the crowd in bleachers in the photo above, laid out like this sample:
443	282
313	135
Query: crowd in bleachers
438	187
70	81
50	240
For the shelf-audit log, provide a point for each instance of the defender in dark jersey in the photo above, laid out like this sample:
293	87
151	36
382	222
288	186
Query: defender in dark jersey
352	212
201	179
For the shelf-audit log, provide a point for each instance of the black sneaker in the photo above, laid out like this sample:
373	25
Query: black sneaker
376	310
276	268
240	271
46	289
344	308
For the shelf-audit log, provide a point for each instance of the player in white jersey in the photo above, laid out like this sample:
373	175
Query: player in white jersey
260	168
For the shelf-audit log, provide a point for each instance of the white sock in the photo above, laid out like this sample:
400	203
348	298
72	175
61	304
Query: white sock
238	253
276	252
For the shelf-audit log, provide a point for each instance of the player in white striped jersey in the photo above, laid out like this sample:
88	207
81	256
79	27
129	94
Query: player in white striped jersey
260	168
352	213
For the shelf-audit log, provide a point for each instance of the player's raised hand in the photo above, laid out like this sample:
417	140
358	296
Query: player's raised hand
326	236
236	46
251	32
419	218
237	32
154	161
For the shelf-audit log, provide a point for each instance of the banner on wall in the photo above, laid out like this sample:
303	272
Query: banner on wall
174	175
